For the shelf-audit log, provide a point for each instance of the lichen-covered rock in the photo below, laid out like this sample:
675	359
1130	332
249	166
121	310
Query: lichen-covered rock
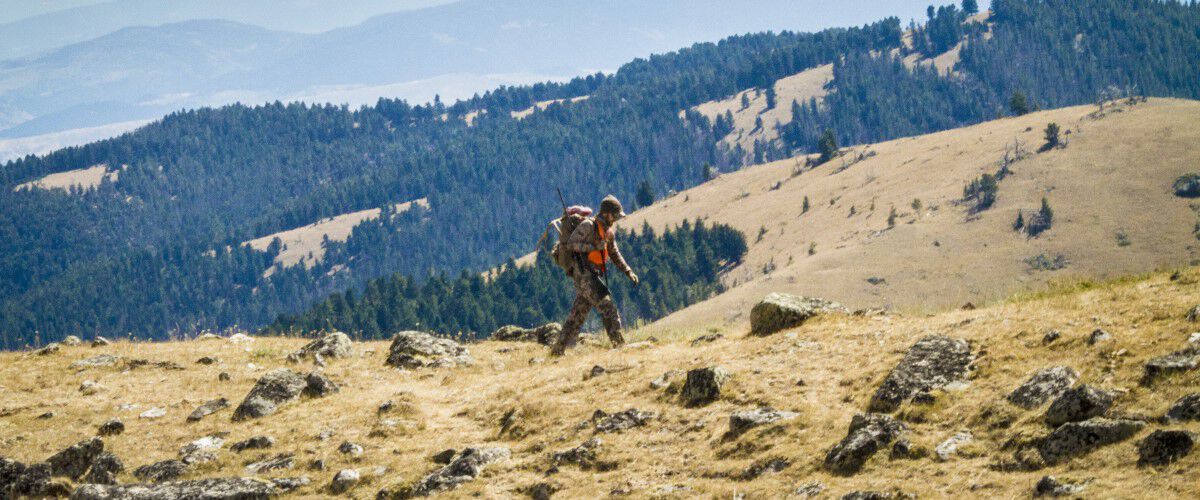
1075	439
75	460
947	449
1097	336
344	480
354	450
779	311
869	433
411	349
201	450
934	362
741	421
96	362
318	385
585	455
1043	386
332	346
51	348
1078	404
465	467
104	469
546	334
100	341
254	443
617	422
1049	486
72	341
233	488
277	462
1186	408
274	389
158	472
1162	447
1176	362
90	387
35	481
112	427
207	409
703	385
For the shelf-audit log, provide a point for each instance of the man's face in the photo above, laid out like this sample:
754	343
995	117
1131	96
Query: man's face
609	219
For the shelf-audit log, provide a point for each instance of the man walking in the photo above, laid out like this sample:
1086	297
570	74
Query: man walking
594	244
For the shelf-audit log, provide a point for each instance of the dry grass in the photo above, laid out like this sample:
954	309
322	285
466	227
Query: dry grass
84	179
841	360
801	87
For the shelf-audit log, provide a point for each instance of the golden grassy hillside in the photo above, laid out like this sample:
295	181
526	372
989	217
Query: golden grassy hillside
1110	189
825	371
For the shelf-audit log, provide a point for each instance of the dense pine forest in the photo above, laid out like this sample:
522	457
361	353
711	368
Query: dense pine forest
158	251
678	268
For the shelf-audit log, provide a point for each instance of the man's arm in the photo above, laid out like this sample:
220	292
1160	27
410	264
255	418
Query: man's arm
614	253
582	239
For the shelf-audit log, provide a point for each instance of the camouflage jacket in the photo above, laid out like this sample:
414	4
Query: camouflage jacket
586	239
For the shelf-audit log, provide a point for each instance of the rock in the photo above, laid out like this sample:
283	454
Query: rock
344	480
72	341
1051	336
1098	336
73	461
286	484
332	346
90	387
1049	486
112	427
809	490
584	456
318	385
764	466
46	416
444	457
353	449
100	341
224	377
1186	408
232	488
208	360
617	422
277	462
51	348
934	362
946	450
1193	314
317	464
596	371
104	469
779	311
741	421
274	389
906	450
1162	447
1076	439
208	336
201	450
542	490
34	481
1078	404
207	409
1194	338
703	385
153	413
664	380
1176	362
158	472
1043	386
411	349
869	432
465	467
10	470
876	495
240	338
254	443
705	339
546	334
96	362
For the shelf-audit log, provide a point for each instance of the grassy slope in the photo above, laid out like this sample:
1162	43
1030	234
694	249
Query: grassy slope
1115	175
840	359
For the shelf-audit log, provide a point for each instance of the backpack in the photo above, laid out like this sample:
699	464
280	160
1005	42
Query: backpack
566	225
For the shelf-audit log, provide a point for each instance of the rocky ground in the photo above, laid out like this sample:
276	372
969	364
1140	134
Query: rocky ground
1088	390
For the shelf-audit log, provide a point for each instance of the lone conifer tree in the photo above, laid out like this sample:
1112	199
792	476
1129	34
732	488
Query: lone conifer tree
645	194
1019	104
827	145
1052	139
970	7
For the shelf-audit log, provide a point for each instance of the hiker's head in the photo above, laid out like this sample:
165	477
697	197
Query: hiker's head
610	209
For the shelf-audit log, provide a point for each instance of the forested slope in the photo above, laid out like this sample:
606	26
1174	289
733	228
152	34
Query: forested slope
158	250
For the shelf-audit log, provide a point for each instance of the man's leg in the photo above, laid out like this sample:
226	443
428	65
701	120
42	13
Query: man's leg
612	320
570	329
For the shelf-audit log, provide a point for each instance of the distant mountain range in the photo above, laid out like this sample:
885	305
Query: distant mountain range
462	48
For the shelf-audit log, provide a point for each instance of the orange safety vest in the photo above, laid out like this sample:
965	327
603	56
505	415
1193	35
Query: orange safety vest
599	257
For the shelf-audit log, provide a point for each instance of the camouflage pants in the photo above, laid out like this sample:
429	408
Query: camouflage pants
589	293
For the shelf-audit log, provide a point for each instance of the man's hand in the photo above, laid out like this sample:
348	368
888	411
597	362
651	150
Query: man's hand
634	278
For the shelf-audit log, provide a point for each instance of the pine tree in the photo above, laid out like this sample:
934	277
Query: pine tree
804	207
1019	104
745	100
970	7
771	97
827	145
645	194
1052	139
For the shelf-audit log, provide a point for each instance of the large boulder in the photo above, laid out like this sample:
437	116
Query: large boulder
934	362
331	346
1076	439
546	334
411	349
1078	404
779	311
1187	408
869	433
1176	362
104	469
466	466
1043	386
233	488
1162	447
703	385
34	481
275	388
76	459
